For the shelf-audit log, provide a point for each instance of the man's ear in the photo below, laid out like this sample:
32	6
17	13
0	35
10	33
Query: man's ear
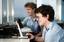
47	16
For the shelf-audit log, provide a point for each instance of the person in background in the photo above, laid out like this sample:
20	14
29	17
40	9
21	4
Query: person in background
52	32
30	21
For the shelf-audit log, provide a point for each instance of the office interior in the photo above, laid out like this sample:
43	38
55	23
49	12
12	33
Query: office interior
10	10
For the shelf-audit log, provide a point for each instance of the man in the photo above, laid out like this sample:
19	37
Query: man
31	21
52	32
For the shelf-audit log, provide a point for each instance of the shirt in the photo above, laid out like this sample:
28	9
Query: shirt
32	24
53	33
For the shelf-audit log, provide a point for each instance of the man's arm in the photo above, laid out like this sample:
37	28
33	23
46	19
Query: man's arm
52	37
24	22
39	37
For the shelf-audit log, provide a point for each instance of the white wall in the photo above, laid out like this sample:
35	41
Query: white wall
40	2
19	10
62	11
56	4
58	9
0	11
10	11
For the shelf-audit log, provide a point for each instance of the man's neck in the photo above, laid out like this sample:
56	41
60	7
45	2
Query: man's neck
47	23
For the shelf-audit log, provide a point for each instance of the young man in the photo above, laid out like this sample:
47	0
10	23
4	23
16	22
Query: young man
52	32
30	21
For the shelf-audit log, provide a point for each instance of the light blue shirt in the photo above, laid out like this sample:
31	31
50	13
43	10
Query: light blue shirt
31	23
53	33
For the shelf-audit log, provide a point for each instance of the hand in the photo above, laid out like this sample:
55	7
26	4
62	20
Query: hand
39	39
30	36
39	34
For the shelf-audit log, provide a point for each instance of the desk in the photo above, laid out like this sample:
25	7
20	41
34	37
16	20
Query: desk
22	39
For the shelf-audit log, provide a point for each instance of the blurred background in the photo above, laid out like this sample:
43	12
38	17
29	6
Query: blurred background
10	10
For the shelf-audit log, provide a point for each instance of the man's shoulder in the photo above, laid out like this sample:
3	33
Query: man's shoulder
57	29
56	26
26	18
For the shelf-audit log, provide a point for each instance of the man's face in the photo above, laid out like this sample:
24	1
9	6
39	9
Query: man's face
30	11
41	19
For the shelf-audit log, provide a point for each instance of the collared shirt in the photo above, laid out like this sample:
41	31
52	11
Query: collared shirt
53	33
31	23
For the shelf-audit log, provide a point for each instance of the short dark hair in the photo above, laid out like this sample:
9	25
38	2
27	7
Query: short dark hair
31	5
46	10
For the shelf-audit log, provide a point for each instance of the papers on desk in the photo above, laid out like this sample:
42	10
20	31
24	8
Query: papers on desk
26	29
